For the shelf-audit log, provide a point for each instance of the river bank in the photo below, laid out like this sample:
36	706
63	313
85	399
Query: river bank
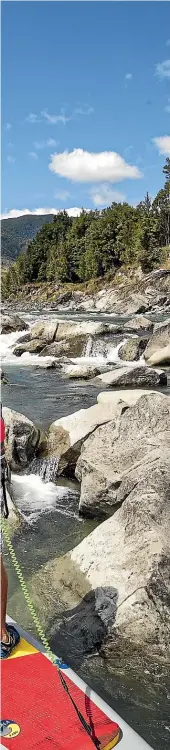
127	292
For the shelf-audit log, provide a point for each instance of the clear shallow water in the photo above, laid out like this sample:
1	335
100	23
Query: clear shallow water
140	696
44	396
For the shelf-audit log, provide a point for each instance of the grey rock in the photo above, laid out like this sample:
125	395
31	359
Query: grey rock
10	323
161	356
74	346
159	339
45	330
33	347
22	439
133	349
133	377
79	372
117	580
117	454
138	323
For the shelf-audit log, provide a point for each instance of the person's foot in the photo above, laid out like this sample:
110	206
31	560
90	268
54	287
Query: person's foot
9	641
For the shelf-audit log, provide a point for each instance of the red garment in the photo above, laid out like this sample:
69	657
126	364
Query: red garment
2	431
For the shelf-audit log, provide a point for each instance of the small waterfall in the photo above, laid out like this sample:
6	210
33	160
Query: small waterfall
88	347
45	468
102	346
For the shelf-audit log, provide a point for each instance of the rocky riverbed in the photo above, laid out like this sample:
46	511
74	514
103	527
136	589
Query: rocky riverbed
112	448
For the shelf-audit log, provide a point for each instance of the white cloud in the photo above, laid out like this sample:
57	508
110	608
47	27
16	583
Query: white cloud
11	159
54	119
45	116
104	195
82	166
32	118
128	76
14	213
8	126
163	69
81	111
62	195
52	142
163	144
45	144
33	155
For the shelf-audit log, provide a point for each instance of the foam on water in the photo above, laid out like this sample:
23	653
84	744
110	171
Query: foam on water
8	343
34	497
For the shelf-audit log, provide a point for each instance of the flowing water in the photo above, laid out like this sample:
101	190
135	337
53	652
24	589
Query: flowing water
51	527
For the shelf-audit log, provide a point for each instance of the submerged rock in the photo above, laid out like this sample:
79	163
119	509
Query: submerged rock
48	363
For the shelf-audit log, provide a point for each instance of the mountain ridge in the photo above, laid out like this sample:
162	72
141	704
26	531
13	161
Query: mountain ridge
17	232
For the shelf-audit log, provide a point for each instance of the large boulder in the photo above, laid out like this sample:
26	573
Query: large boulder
10	323
114	586
133	349
128	397
74	346
138	323
125	562
133	377
66	329
159	339
118	454
162	356
67	434
22	439
44	330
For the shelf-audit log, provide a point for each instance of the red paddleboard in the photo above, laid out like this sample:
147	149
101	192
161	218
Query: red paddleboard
37	713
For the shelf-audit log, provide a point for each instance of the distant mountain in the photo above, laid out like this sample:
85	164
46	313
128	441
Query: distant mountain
16	233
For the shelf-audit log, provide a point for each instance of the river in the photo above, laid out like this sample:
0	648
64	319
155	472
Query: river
52	526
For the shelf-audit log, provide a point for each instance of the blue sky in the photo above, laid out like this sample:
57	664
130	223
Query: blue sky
85	102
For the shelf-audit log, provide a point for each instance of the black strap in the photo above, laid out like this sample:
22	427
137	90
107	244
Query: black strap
6	511
83	721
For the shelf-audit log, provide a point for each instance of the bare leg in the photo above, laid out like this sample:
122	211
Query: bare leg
4	591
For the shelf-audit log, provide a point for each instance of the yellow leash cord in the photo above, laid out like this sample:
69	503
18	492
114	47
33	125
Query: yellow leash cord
40	631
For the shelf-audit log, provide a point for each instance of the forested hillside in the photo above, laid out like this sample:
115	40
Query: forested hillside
97	243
